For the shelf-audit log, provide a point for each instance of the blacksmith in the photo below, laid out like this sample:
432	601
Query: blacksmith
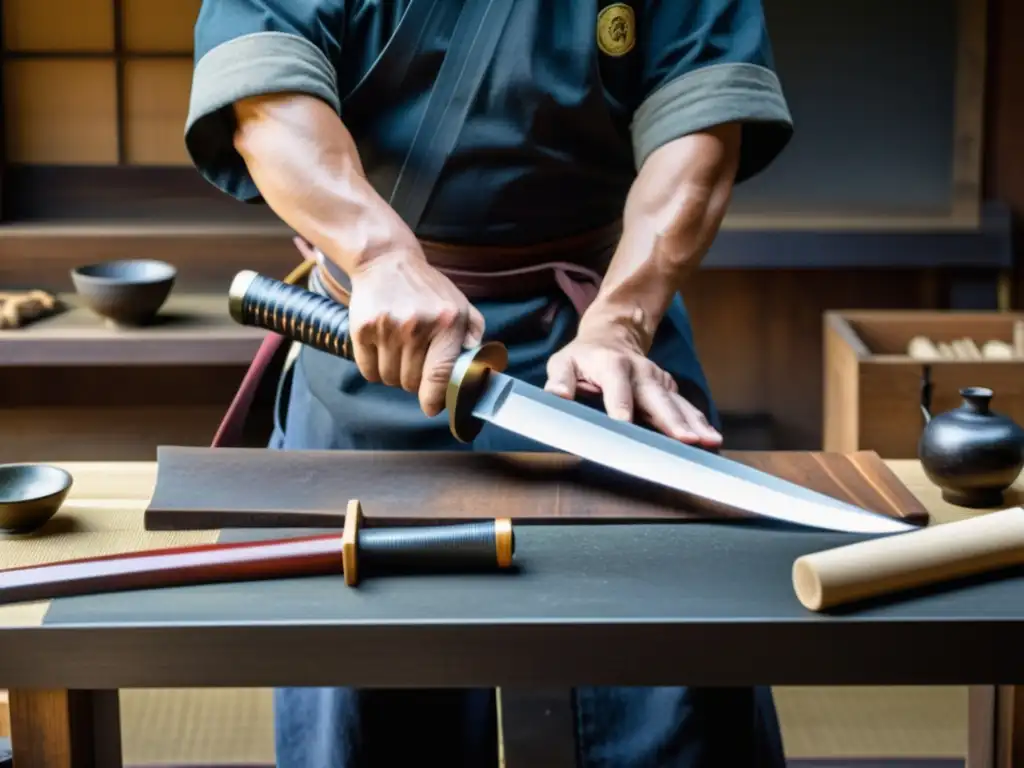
546	173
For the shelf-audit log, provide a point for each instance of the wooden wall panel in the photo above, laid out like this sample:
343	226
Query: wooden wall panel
58	25
156	106
159	25
759	335
206	261
117	414
61	111
1004	155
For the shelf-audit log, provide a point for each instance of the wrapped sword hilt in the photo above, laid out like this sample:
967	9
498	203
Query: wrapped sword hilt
471	546
323	323
291	311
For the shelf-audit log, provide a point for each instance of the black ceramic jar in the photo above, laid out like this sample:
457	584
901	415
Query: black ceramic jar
972	453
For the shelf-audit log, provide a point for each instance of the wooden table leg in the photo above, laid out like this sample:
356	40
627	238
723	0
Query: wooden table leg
1009	736
981	726
65	729
995	732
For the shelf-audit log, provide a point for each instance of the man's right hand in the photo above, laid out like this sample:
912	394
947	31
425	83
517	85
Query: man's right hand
408	325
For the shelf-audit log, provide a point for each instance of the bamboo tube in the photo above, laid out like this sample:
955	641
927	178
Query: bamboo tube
898	562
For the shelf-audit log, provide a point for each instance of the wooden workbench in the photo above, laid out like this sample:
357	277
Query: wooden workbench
103	515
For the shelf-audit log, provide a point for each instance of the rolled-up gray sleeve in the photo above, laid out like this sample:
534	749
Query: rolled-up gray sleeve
243	49
693	82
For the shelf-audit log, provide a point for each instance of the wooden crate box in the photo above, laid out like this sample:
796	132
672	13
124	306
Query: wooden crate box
873	387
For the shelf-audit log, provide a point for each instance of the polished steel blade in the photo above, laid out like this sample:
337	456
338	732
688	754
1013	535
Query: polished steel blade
642	453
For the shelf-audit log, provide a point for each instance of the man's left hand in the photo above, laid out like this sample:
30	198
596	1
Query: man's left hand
630	385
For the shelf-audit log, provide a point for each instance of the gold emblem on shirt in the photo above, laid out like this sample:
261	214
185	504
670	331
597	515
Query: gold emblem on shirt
616	29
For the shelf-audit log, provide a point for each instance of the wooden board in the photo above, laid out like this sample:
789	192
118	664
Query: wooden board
203	488
191	329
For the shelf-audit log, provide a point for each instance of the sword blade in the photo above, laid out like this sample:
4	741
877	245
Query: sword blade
592	435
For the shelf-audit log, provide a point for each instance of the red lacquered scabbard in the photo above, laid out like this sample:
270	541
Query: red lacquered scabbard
179	566
488	545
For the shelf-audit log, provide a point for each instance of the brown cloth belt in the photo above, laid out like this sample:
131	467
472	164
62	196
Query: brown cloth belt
573	266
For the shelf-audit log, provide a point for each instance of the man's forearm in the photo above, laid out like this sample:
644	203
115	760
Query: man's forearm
307	168
673	212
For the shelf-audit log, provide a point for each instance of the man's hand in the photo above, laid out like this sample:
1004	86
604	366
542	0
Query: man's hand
673	211
408	324
602	358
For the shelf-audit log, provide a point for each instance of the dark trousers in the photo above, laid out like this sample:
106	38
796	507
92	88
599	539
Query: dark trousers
325	404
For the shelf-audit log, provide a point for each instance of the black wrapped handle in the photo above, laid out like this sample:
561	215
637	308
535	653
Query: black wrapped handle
323	323
460	546
477	546
293	312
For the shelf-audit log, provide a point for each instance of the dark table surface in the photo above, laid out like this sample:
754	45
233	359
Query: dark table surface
686	603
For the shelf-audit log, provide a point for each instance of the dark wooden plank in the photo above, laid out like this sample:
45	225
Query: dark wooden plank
3	130
207	255
65	729
56	193
201	488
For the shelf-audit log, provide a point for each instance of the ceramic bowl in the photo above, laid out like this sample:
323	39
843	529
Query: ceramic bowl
129	292
30	494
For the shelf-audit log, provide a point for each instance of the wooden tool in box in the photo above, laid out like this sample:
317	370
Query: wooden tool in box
876	379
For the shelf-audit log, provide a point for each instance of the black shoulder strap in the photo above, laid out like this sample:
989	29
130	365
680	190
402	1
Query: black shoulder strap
473	42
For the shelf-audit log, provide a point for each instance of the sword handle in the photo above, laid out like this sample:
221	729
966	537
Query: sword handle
322	323
463	546
291	311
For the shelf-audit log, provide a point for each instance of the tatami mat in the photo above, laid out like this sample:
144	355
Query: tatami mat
229	725
873	722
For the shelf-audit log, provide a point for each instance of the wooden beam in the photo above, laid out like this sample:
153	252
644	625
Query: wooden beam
65	729
190	330
5	715
969	110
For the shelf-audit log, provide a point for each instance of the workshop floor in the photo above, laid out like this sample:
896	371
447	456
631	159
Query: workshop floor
234	726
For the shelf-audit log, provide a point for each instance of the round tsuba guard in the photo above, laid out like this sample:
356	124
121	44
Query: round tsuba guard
467	382
350	542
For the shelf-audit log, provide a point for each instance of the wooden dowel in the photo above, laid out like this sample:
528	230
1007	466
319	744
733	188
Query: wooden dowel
881	566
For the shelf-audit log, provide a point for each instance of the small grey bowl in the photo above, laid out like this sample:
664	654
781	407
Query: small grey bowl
30	494
129	292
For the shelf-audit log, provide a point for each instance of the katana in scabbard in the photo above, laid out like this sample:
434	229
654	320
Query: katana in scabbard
478	546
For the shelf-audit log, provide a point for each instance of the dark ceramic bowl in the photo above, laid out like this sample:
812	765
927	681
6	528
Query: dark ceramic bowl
127	292
30	494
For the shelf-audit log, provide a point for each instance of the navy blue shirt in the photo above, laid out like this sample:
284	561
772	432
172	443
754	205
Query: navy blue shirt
576	98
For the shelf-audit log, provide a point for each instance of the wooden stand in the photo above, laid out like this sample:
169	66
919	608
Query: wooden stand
66	729
873	386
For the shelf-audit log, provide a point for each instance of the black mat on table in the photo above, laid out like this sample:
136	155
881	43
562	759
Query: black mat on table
689	571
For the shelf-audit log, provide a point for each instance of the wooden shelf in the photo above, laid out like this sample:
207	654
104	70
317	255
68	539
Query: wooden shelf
208	252
184	230
192	330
